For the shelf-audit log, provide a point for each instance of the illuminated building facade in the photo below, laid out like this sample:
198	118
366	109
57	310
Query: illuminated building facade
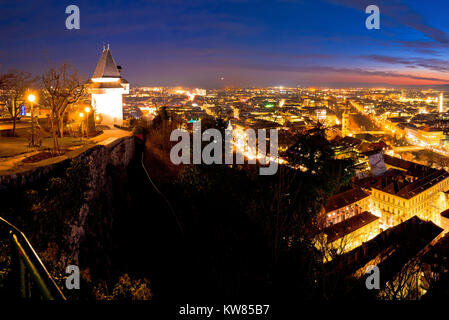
444	216
345	205
107	88
405	191
409	189
350	233
321	115
425	135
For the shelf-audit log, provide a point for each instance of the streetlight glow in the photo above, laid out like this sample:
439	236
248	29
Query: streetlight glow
87	109
31	98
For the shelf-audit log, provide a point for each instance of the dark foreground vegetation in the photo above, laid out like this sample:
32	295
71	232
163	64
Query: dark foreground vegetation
231	232
196	232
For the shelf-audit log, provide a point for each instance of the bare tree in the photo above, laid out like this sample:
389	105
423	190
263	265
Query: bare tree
15	84
63	88
330	250
406	283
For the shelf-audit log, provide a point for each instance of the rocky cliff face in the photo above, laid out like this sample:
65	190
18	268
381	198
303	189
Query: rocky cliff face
88	236
107	169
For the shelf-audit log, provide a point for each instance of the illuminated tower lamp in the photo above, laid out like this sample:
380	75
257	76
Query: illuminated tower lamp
107	88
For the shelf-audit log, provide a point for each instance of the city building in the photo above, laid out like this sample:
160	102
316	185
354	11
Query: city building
345	205
107	88
350	148
408	189
350	233
445	220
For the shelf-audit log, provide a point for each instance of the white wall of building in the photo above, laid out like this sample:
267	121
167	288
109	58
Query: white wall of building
110	106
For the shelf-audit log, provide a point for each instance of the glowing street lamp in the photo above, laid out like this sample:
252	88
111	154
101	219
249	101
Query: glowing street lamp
81	115
32	98
87	110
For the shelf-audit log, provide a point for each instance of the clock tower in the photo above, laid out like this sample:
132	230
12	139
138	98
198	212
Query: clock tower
107	88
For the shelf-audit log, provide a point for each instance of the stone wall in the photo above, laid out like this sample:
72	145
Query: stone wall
107	167
101	159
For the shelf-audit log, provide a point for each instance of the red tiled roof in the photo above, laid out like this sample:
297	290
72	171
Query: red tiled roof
347	226
344	199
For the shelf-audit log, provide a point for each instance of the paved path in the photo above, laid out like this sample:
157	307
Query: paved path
110	136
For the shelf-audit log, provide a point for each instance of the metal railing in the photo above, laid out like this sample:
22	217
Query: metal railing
27	263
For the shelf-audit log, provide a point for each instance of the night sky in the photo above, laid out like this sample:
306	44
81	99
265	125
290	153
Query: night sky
249	43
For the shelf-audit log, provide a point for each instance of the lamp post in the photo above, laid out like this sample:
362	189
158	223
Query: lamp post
82	131
87	111
31	99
